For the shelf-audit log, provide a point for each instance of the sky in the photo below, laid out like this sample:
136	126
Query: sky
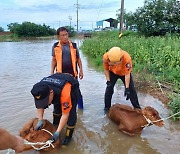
56	13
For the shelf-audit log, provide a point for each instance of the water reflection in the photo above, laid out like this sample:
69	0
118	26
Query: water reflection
24	63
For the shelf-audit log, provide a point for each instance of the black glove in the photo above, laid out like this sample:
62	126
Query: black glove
108	83
55	137
127	93
39	125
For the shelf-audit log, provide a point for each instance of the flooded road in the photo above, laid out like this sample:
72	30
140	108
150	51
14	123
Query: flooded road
22	64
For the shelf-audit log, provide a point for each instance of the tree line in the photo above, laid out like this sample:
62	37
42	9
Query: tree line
29	29
156	17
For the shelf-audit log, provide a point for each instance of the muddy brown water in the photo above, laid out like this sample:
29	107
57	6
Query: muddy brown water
22	64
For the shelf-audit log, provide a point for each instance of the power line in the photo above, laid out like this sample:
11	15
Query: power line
100	9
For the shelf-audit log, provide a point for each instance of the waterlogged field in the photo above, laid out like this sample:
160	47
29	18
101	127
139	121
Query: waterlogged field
27	62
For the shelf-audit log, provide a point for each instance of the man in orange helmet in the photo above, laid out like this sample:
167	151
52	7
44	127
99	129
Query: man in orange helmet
118	64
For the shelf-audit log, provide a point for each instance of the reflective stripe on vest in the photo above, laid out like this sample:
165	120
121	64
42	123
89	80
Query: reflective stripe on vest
58	56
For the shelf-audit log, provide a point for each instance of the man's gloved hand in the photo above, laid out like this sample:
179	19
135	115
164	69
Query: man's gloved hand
39	125
108	83
127	93
55	137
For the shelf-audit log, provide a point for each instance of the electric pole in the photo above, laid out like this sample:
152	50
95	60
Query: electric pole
77	14
121	16
77	7
70	18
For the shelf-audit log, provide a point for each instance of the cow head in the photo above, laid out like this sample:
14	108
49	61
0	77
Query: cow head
29	134
152	115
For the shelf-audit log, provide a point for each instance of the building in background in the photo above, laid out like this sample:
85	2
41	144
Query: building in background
106	24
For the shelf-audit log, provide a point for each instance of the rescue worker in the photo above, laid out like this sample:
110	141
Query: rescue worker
11	141
61	90
118	65
66	58
65	55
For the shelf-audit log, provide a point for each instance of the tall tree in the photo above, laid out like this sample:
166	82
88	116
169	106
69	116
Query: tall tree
1	29
156	17
173	13
150	18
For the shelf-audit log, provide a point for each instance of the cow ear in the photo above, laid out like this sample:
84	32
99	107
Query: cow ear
143	111
138	110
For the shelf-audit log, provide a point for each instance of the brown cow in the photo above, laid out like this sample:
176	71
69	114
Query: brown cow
132	121
28	133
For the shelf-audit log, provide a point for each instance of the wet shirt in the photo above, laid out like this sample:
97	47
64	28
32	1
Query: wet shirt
66	59
123	68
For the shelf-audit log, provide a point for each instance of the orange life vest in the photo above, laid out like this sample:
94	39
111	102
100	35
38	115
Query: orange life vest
58	56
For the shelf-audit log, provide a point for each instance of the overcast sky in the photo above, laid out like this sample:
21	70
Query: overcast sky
57	13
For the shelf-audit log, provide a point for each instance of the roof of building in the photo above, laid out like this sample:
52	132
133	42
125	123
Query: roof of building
111	20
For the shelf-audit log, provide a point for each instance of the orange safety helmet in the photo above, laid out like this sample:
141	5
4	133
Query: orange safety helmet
115	54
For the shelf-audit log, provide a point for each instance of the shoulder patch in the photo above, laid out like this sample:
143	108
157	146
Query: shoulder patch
128	66
65	105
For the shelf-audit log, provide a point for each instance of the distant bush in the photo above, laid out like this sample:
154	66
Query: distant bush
71	31
1	29
28	29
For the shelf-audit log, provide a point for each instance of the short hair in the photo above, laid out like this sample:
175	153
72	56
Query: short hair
60	29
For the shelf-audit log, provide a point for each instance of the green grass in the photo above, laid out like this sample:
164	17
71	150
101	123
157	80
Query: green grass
157	55
175	107
9	38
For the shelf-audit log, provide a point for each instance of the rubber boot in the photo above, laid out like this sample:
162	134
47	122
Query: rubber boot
68	136
80	103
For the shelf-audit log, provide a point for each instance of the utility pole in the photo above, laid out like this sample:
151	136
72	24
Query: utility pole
121	16
77	7
70	18
77	15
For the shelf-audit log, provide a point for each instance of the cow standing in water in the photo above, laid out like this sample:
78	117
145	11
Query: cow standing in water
132	121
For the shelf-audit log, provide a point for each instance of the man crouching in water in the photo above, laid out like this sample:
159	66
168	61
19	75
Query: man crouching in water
61	90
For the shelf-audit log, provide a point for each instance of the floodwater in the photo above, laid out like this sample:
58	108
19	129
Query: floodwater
22	64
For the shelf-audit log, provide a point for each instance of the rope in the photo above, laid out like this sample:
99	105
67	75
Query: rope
46	144
159	86
152	122
47	131
149	122
166	118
